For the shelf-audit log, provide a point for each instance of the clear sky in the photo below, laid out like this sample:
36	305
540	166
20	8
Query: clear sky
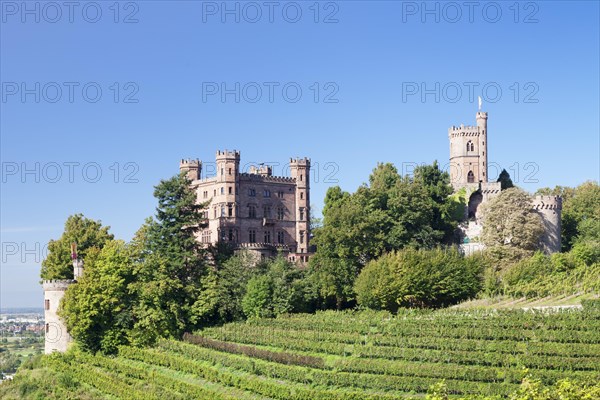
101	101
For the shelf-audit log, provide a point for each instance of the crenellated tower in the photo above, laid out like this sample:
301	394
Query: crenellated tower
550	209
300	171
193	168
56	337
468	153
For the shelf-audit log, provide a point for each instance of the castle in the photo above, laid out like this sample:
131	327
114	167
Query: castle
57	338
257	211
469	171
268	214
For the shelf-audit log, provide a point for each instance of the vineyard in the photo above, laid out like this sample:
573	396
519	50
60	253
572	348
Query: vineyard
348	355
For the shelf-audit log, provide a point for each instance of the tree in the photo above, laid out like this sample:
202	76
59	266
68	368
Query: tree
171	267
505	181
98	309
224	288
509	222
87	233
418	278
278	291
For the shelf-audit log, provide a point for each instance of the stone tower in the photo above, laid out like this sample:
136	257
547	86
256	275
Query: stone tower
300	171
468	153
550	209
57	338
193	168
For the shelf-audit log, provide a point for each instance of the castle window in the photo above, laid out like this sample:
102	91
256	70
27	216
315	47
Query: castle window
46	304
252	236
230	210
205	237
301	195
470	146
280	195
280	213
470	177
215	192
231	235
222	210
301	236
267	211
47	328
302	214
267	237
251	211
301	176
251	192
280	237
267	193
230	189
229	171
221	171
222	190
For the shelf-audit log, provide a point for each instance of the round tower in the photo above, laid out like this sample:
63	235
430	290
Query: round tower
193	168
226	200
57	338
483	154
300	171
550	209
468	153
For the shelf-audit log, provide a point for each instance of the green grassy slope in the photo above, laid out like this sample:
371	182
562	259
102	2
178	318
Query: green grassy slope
336	355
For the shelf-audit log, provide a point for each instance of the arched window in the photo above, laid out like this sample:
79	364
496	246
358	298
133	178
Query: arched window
470	177
470	146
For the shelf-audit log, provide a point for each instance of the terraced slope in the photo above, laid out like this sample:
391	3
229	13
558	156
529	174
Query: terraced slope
351	355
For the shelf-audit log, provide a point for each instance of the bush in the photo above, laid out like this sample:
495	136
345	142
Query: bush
418	278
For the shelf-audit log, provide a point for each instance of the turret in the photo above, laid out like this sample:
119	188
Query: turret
193	168
482	125
550	209
300	171
468	153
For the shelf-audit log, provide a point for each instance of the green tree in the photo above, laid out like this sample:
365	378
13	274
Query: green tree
509	222
87	233
279	290
418	278
98	310
505	181
171	266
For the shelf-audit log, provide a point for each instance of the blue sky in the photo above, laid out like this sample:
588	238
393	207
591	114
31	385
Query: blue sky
127	91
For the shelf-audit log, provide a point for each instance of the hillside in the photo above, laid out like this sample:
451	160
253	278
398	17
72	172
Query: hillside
336	355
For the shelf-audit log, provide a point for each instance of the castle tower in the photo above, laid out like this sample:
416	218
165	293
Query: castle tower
57	338
468	153
300	171
225	204
550	209
193	168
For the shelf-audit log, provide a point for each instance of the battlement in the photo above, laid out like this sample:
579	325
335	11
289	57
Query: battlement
189	163
300	161
482	115
269	246
264	170
228	154
57	284
266	178
459	131
547	203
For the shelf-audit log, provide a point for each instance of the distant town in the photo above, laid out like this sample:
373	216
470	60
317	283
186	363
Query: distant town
21	336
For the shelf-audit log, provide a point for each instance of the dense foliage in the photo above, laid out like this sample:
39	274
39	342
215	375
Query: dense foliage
87	233
418	278
390	213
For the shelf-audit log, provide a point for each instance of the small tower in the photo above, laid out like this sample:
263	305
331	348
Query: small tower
300	171
57	338
550	209
468	153
193	168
